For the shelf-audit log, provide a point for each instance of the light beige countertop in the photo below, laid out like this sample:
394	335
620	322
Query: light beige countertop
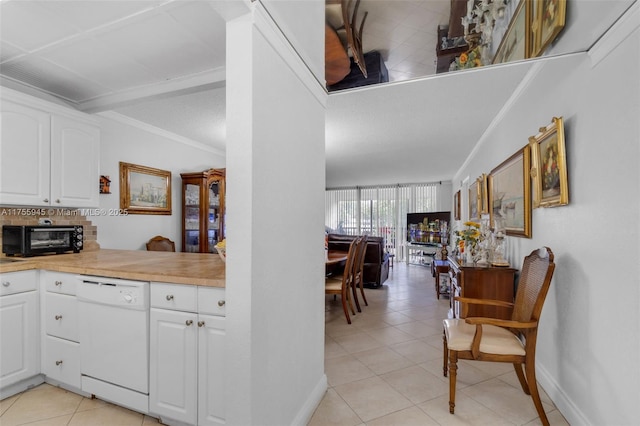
181	268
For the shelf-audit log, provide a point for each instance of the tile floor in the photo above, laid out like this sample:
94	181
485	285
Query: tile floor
386	367
383	369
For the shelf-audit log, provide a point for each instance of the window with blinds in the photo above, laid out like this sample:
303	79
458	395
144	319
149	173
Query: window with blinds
379	211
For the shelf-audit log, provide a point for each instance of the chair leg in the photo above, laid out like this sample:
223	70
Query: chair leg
364	298
349	301
530	370
345	309
521	378
444	354
355	297
453	375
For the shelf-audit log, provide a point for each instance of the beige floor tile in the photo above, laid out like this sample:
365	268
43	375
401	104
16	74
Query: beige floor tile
504	399
148	421
107	415
55	421
382	360
345	369
418	329
416	384
512	379
467	412
333	410
332	349
40	403
412	416
390	335
371	321
417	351
372	398
357	342
91	403
7	402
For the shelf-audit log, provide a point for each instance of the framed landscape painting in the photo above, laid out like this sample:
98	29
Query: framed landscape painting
549	168
516	42
474	196
510	195
144	190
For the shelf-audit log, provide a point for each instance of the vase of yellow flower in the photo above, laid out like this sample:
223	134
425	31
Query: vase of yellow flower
470	236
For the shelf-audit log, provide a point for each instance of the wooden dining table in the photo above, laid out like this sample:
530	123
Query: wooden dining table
335	257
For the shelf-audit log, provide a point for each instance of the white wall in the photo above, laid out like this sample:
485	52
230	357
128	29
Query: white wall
275	227
129	144
589	337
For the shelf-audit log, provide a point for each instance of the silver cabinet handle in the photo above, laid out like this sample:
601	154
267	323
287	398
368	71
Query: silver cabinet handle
221	303
189	322
6	283
58	362
46	200
58	201
58	317
169	296
200	323
58	283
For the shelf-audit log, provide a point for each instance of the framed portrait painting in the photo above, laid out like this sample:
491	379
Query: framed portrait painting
144	190
550	18
510	195
549	168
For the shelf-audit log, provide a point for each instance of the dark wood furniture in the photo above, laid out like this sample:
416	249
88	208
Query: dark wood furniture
376	73
511	340
203	209
440	267
337	64
477	282
160	243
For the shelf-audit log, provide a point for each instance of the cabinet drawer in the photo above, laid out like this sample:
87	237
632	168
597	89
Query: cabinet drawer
59	282
211	301
61	360
61	316
174	296
18	282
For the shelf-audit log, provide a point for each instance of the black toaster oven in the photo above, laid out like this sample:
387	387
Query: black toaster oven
32	240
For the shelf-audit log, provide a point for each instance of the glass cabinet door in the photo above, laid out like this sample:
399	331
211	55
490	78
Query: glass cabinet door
192	218
213	221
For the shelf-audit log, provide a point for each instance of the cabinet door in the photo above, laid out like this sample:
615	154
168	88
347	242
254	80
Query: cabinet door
75	168
24	155
20	350
211	367
61	360
173	365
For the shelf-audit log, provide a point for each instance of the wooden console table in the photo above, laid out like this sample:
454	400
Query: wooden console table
440	267
468	280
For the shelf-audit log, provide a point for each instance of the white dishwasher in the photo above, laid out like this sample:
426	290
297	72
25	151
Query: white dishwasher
114	340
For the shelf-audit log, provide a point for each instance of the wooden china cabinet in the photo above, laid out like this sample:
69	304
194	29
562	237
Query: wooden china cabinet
203	210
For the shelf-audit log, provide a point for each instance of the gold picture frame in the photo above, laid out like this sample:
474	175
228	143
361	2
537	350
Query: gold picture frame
516	42
550	16
549	166
474	198
456	205
144	190
483	194
510	194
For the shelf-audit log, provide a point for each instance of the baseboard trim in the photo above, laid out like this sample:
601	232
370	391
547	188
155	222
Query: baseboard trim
312	402
563	403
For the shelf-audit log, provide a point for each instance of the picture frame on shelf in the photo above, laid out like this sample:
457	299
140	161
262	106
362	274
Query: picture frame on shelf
510	194
144	190
550	16
474	198
456	205
516	42
549	166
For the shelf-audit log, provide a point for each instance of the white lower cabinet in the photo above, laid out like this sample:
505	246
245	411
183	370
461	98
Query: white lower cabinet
186	355
20	348
61	350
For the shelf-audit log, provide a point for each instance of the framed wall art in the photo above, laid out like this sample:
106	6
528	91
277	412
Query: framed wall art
549	168
549	21
456	205
144	190
483	194
516	42
474	197
510	195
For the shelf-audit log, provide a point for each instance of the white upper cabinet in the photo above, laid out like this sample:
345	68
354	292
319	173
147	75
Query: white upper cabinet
48	156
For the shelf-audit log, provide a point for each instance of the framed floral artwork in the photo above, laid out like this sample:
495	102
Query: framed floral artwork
549	168
516	42
144	190
549	21
510	195
456	205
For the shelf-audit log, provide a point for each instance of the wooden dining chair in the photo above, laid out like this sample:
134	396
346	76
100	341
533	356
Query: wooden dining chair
499	340
354	34
160	243
358	273
343	284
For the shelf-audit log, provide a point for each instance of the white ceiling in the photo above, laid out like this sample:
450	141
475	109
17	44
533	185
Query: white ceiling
162	62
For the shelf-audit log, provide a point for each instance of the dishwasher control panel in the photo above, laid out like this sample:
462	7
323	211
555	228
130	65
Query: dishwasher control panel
114	292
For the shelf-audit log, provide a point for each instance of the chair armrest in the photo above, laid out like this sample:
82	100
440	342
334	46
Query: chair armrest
491	302
520	325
